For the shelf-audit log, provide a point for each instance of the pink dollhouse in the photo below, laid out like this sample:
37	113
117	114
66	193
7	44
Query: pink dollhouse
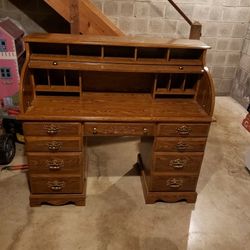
11	57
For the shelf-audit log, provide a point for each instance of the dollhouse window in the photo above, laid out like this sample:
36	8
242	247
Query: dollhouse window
5	73
2	45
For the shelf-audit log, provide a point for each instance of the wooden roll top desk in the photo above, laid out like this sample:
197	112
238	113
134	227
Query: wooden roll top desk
75	86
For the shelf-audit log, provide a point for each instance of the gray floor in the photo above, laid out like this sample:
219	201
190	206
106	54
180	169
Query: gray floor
116	217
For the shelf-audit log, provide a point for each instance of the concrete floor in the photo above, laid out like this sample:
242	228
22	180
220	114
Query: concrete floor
117	218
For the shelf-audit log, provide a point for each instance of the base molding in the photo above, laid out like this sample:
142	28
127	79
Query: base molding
37	200
152	197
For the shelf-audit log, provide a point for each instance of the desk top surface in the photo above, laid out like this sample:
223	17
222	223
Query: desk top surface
114	107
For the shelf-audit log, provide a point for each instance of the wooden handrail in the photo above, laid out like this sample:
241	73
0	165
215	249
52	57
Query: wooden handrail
196	27
180	11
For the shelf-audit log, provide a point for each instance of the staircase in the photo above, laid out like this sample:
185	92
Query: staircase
84	17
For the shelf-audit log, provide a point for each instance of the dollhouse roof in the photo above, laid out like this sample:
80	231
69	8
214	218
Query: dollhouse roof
11	28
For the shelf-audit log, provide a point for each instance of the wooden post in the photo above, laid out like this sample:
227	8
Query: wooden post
195	32
74	17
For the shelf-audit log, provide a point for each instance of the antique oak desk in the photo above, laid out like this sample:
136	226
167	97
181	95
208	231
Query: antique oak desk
75	86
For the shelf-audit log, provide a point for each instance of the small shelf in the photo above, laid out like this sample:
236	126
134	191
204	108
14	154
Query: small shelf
49	48
47	81
151	53
85	50
185	54
163	70
118	52
138	54
175	92
43	88
174	84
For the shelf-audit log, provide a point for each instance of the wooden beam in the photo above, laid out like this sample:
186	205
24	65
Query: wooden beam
91	19
61	7
98	23
74	17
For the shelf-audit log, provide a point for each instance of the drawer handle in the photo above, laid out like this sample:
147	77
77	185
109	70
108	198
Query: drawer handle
52	129
56	185
180	146
94	131
178	163
181	68
174	183
54	146
183	130
55	63
55	164
145	131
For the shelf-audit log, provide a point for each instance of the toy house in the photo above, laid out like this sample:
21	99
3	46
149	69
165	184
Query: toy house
11	57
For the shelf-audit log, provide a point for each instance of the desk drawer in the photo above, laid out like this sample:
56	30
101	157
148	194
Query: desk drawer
52	185
57	144
178	162
183	129
47	163
175	144
173	183
52	128
119	129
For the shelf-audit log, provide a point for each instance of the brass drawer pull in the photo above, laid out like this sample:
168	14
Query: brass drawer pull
52	129
56	185
145	131
55	63
54	146
94	131
55	164
178	163
180	146
174	183
183	130
181	68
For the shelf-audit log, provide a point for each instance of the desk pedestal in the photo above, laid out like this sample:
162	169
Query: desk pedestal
152	197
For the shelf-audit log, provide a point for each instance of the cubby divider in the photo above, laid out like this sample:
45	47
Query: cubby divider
174	84
141	54
56	81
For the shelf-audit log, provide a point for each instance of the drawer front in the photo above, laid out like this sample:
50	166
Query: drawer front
119	129
173	183
47	163
52	129
57	144
60	64
175	144
49	64
183	130
55	185
178	162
